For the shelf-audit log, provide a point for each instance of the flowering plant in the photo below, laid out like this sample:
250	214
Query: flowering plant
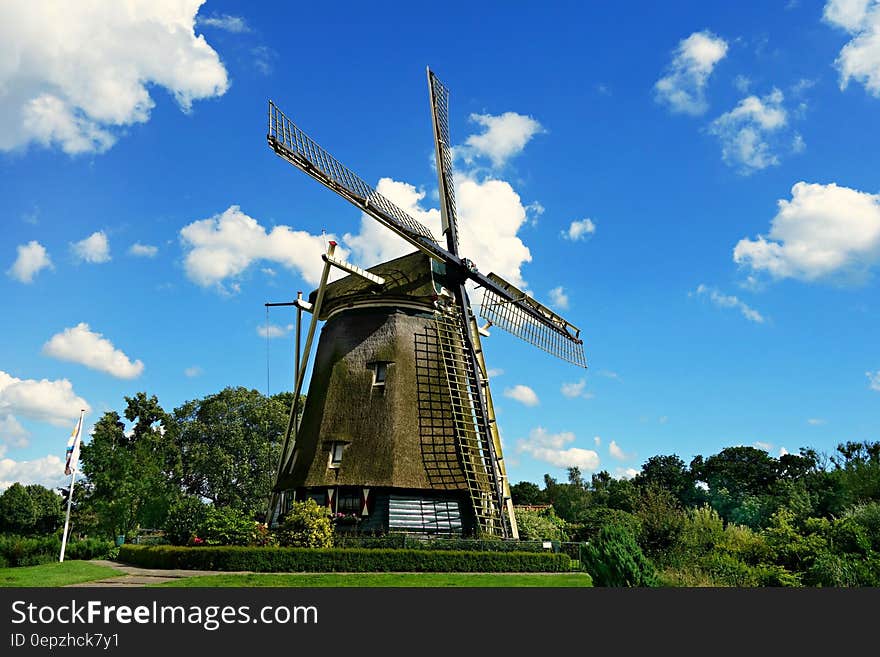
346	518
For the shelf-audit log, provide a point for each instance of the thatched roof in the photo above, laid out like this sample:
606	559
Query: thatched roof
413	277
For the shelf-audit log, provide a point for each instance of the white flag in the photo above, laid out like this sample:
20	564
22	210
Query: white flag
73	447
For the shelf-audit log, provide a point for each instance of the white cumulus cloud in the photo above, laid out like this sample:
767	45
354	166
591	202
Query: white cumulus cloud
873	380
94	249
503	137
523	394
54	402
490	216
193	371
617	452
860	58
12	434
559	298
143	250
274	330
579	230
551	448
222	247
79	344
823	230
750	132
32	259
47	471
575	390
683	88
722	300
73	74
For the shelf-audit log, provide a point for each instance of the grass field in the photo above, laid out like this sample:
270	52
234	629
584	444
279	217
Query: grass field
55	574
389	580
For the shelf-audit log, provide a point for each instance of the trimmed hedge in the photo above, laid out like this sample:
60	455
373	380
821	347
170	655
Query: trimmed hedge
271	559
402	541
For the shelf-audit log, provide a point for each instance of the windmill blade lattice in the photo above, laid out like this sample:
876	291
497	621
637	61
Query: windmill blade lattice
295	146
440	114
553	334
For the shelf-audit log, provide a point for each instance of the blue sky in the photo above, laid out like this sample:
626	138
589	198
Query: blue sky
699	179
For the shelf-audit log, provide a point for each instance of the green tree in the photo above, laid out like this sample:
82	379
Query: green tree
186	520
18	513
133	476
230	446
671	473
47	506
527	492
662	522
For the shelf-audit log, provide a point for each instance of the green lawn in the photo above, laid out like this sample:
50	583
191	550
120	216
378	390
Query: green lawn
389	580
55	574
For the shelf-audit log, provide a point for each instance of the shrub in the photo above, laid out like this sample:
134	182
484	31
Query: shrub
306	524
703	530
868	516
542	525
662	523
615	559
186	520
26	551
596	518
89	548
227	526
274	559
404	541
744	545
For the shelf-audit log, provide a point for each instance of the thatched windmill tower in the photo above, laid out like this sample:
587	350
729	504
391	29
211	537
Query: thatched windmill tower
398	430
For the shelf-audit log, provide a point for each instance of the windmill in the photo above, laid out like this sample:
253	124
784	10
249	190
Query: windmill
398	431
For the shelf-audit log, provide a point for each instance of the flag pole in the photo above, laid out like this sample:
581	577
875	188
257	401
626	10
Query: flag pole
67	518
73	459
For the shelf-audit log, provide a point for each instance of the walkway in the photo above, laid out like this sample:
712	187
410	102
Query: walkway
134	576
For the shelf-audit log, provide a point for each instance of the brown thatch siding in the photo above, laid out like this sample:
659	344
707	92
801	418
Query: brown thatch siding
388	442
399	435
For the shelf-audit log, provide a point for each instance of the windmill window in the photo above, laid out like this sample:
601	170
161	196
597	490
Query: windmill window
380	371
336	449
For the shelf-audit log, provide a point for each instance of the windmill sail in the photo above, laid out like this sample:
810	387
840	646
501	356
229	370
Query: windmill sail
446	187
291	143
511	309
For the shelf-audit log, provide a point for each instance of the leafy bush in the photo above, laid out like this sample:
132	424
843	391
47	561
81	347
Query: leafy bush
227	526
829	569
542	525
596	518
867	516
186	520
744	545
33	551
89	548
703	530
273	559
615	559
404	541
661	524
306	524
